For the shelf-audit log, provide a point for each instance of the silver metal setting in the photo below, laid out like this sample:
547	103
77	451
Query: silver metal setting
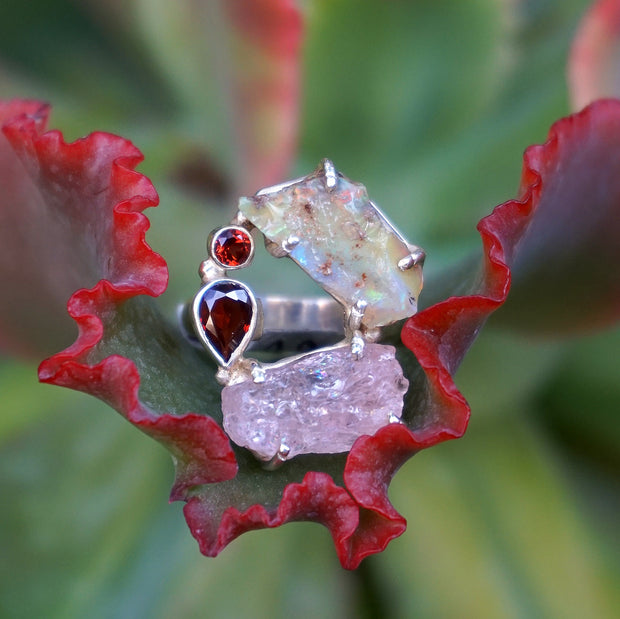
264	367
331	176
279	459
288	325
275	250
210	270
276	188
414	259
241	220
303	326
290	244
237	354
356	316
358	344
258	373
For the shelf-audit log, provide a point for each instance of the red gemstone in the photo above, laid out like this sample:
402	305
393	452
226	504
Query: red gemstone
225	315
232	247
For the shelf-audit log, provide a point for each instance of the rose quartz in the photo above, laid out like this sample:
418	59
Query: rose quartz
320	403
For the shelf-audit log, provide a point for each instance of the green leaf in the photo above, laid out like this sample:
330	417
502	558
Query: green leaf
81	483
88	531
495	531
580	401
433	103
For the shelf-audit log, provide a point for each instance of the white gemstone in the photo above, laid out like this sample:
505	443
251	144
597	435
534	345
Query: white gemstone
320	403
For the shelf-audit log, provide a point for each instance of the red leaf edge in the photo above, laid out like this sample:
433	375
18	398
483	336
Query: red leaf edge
201	450
317	498
440	336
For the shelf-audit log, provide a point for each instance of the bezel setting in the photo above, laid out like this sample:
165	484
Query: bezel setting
213	251
238	351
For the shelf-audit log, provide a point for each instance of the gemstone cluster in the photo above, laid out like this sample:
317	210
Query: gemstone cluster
320	401
225	309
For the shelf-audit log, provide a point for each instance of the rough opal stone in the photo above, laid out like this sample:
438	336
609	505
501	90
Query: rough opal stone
345	244
320	403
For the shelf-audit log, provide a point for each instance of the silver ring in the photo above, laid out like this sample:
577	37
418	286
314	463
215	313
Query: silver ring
289	325
341	384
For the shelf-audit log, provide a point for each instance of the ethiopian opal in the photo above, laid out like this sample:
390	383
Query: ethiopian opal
342	241
319	403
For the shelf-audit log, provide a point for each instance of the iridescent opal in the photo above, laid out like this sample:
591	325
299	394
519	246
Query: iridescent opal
319	403
344	243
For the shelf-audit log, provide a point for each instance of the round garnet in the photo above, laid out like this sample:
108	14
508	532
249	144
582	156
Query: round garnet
232	247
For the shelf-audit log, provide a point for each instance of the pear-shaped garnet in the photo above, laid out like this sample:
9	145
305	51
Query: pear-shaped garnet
225	315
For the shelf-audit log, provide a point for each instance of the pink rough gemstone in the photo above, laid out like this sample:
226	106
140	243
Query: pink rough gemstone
320	403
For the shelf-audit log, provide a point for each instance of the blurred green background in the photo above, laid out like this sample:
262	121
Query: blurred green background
431	105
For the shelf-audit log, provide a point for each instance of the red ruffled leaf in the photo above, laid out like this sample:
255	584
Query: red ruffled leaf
23	322
348	496
317	499
52	193
439	337
199	446
85	201
89	199
580	160
564	270
594	62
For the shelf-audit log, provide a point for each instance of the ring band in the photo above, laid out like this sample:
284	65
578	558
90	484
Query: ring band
289	325
341	383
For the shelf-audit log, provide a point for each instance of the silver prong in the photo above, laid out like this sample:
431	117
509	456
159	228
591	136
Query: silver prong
394	419
222	376
405	263
414	259
356	314
357	346
258	374
279	459
210	271
290	243
276	188
274	249
284	451
331	176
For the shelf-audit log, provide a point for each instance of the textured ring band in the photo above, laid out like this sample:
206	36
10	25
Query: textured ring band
289	325
319	401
